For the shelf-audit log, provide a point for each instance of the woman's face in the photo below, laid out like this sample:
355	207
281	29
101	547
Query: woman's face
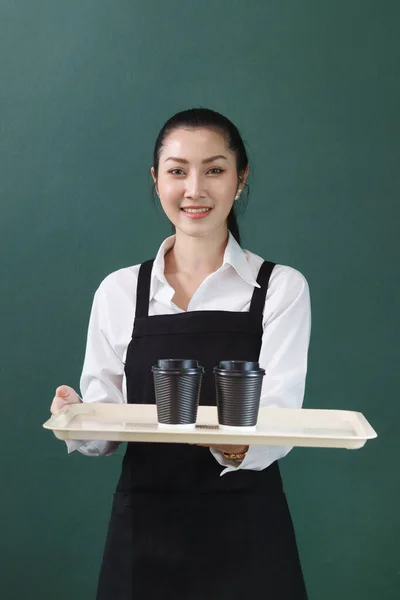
197	180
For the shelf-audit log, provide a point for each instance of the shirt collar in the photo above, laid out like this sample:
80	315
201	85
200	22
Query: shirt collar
157	274
234	256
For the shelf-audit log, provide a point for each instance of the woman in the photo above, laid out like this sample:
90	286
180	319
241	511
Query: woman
187	521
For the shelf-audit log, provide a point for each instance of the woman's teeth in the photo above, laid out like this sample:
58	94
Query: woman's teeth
196	210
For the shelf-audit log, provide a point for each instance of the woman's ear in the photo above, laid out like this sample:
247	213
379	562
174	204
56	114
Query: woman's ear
242	182
243	179
153	174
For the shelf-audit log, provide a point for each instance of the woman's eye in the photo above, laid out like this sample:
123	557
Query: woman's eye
213	171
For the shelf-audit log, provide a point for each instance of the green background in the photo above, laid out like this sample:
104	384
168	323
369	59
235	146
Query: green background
85	86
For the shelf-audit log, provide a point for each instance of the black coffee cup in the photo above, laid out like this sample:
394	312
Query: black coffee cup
177	386
238	386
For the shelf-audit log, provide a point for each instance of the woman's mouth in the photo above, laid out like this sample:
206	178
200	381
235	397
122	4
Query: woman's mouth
197	213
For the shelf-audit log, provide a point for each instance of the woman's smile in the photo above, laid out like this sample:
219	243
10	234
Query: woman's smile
196	213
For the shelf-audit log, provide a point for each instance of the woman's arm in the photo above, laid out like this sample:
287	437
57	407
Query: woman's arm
283	355
102	374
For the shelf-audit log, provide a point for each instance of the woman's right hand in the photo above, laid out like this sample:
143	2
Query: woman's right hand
64	395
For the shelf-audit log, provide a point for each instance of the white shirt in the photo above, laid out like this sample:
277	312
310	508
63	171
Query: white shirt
285	341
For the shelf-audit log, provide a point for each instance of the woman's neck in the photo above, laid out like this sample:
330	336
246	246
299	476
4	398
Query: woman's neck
197	256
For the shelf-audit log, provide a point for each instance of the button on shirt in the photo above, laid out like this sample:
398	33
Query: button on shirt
285	340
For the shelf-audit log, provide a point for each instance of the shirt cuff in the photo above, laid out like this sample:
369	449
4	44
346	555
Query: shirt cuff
73	445
92	447
257	458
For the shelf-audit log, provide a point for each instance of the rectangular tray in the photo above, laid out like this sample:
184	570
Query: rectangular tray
275	427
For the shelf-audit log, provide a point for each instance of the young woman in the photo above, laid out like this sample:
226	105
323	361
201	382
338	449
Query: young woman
191	522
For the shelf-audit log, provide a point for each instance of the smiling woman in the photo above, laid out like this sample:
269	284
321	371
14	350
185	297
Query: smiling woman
200	162
202	297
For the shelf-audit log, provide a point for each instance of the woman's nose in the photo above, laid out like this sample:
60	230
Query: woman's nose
194	188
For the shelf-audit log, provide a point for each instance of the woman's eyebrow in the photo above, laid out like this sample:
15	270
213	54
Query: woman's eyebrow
212	158
183	161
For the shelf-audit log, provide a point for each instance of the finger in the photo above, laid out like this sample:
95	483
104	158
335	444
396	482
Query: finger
58	404
63	391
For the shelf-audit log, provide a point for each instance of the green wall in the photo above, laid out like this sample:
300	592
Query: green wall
85	86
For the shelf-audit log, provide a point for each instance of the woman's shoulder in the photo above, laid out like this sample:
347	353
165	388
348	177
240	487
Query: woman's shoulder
281	276
120	282
288	290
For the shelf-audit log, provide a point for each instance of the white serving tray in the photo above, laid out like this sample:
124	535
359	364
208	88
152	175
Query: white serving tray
275	427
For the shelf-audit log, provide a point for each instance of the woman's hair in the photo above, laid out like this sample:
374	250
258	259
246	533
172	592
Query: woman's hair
196	118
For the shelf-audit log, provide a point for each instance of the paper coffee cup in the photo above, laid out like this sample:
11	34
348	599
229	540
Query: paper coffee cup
238	386
177	386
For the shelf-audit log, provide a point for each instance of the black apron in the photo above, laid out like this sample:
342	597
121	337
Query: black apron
178	529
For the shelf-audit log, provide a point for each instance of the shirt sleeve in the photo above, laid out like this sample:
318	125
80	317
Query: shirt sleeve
283	355
102	374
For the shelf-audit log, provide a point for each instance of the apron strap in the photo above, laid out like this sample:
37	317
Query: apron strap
260	294
143	289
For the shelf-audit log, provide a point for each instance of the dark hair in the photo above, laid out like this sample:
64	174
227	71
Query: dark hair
196	118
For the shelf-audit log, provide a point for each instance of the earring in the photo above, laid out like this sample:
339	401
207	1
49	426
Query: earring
237	196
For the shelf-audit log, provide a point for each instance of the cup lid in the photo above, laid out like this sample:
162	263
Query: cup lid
177	363
239	365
